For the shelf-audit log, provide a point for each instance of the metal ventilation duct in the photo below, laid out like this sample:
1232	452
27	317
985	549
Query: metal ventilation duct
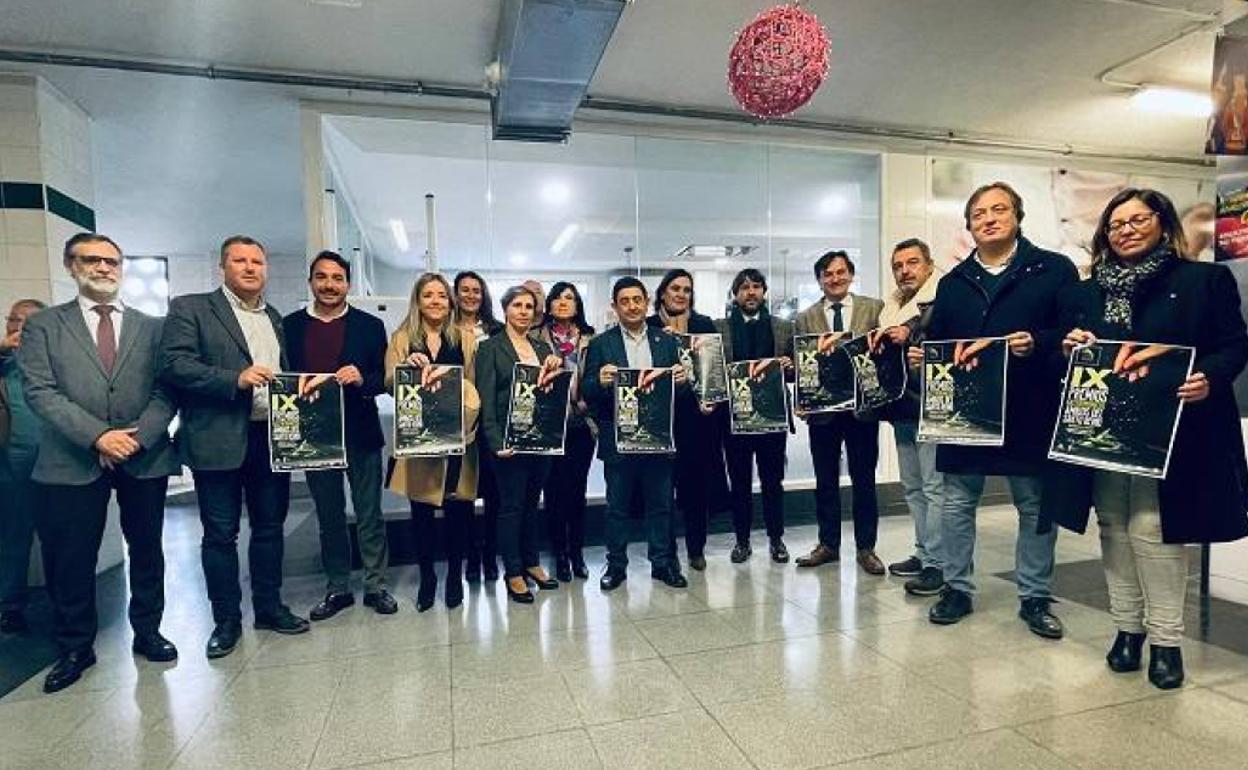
548	51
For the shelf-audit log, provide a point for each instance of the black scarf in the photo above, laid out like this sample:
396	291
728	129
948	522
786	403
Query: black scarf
1121	282
751	339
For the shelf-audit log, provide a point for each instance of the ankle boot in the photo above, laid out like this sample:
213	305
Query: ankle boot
578	564
562	567
472	565
1124	655
454	591
1165	667
428	587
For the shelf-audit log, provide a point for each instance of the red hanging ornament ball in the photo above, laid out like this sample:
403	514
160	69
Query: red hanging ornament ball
778	62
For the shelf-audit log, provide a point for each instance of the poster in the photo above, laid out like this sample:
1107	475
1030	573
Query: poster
1119	409
702	355
1231	226
643	411
428	411
306	423
879	377
758	400
537	414
1227	130
964	386
825	375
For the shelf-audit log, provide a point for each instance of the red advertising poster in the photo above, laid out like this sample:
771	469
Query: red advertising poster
1231	229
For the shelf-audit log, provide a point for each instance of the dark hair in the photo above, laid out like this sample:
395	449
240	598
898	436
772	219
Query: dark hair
241	240
510	295
486	312
627	282
330	256
1016	201
751	274
822	263
67	254
578	318
672	275
1167	217
915	243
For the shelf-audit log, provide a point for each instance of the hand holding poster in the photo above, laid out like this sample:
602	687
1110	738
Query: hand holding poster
703	358
643	411
1119	407
879	371
537	415
825	374
428	411
305	423
964	384
758	398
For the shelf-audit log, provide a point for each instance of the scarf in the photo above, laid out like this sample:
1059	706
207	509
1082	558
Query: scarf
564	337
751	340
1121	282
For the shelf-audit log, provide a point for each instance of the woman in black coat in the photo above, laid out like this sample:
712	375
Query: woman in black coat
1142	289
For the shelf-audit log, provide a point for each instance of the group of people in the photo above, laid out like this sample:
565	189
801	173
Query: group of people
91	387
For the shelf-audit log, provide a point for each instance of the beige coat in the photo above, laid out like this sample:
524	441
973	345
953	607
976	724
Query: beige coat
423	479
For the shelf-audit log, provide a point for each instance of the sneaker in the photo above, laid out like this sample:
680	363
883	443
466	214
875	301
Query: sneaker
1041	622
740	552
952	607
911	567
930	582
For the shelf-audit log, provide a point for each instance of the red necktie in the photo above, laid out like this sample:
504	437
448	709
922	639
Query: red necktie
106	338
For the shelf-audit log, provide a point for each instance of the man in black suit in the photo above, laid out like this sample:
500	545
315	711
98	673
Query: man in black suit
219	352
632	345
331	336
90	368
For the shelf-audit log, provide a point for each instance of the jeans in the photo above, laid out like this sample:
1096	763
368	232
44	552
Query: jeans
19	499
924	489
652	476
363	473
1033	553
862	446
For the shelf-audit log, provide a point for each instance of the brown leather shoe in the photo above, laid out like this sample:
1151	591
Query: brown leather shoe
869	562
819	556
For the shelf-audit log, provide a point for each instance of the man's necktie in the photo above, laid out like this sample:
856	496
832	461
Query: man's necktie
106	338
838	321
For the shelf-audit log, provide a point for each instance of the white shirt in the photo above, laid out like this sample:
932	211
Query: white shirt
847	309
93	318
637	348
1001	268
262	344
312	311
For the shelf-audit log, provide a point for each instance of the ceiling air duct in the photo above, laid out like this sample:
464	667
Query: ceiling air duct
548	51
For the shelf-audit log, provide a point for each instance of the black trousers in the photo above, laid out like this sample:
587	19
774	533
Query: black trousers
742	452
565	491
520	480
699	462
650	477
71	528
456	515
221	497
483	529
861	439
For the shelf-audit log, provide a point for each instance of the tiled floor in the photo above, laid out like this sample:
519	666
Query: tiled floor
754	666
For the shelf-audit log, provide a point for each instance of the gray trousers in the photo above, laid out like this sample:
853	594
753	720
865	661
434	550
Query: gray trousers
363	473
924	489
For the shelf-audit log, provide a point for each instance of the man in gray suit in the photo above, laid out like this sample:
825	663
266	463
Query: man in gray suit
841	311
89	368
220	350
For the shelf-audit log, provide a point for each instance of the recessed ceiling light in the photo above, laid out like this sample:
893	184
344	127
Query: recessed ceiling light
518	260
1172	101
556	193
399	232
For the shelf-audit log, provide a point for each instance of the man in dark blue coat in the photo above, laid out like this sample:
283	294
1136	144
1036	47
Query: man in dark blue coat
1006	287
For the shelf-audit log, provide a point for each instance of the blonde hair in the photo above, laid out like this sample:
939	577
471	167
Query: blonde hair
417	329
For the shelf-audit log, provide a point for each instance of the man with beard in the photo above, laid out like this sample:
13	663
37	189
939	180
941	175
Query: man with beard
90	371
331	336
219	352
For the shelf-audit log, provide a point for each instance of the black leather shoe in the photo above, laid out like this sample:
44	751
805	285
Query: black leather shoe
331	605
578	565
1040	621
472	568
1124	655
428	589
453	593
907	567
381	602
740	553
670	576
224	639
563	568
541	579
282	621
612	580
930	582
779	554
952	607
68	669
489	569
13	622
1165	667
697	562
155	648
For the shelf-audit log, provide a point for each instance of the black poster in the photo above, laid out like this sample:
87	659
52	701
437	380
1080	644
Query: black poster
428	411
643	411
1119	409
964	385
879	375
702	355
758	397
825	374
537	414
305	423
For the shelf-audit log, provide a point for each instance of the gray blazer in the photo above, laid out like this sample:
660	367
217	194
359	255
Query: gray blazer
66	386
201	355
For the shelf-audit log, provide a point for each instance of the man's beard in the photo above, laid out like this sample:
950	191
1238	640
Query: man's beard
905	295
99	287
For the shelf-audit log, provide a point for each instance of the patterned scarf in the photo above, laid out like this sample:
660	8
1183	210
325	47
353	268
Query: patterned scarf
1121	282
564	335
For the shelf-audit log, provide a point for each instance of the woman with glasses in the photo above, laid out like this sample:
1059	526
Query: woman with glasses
1142	289
568	334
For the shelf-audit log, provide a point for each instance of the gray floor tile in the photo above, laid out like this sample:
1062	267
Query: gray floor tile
514	708
522	656
676	741
628	691
570	750
982	751
681	634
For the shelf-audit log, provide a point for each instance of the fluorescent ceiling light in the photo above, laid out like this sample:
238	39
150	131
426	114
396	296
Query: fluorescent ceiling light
713	251
399	233
556	193
1172	101
565	237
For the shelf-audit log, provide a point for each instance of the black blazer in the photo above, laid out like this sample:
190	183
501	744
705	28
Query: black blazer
608	348
496	358
1205	493
364	347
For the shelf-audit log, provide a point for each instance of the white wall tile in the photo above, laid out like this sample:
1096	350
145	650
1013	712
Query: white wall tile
18	129
12	289
20	164
26	226
17	94
25	262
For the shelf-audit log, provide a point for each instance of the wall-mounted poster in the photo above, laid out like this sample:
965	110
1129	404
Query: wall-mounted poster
758	397
964	385
1227	130
537	415
643	411
306	422
428	411
825	375
879	375
703	358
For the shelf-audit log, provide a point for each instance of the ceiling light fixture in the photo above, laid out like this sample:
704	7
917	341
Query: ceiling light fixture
699	251
1172	101
833	204
564	238
556	193
518	260
399	233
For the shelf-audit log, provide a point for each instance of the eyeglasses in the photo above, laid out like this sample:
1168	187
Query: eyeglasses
1137	222
93	260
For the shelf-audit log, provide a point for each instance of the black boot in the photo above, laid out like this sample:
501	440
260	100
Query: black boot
458	535
428	587
1165	667
1124	655
423	528
472	566
562	567
578	564
454	595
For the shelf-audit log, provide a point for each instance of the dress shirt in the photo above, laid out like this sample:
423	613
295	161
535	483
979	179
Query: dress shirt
262	344
637	348
847	310
93	318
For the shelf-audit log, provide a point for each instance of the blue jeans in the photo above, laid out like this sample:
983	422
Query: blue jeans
924	489
1033	553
